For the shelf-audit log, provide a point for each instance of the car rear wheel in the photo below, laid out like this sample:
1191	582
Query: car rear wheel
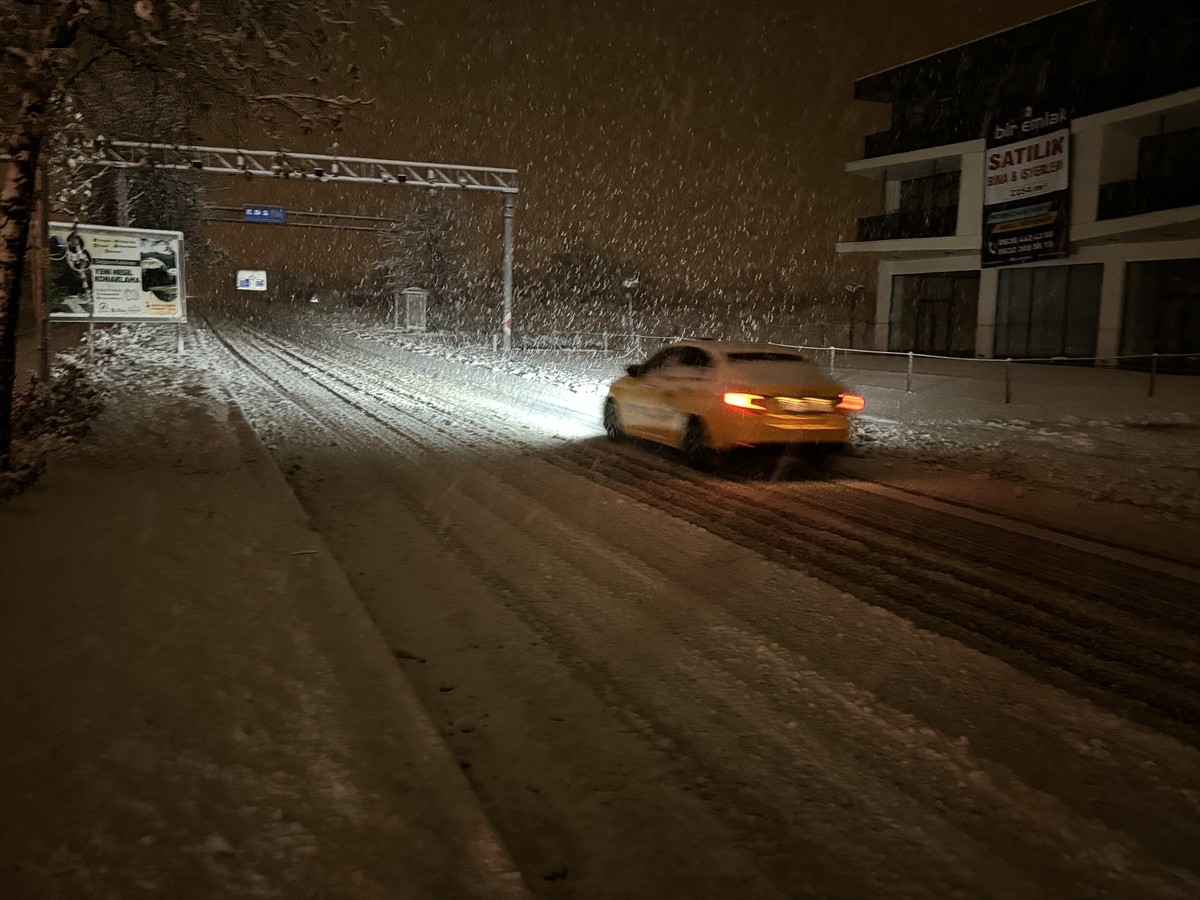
696	449
821	456
612	421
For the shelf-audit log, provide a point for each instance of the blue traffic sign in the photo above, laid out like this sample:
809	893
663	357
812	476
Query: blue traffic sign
271	214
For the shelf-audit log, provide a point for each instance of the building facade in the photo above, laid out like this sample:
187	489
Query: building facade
1124	283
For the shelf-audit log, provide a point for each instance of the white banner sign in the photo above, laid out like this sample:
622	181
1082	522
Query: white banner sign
1025	170
251	280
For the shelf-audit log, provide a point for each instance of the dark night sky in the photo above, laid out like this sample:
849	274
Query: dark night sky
698	141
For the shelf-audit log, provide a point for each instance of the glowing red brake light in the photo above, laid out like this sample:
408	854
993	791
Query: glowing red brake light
851	402
745	401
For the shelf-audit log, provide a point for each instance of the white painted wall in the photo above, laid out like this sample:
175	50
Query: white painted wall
1118	151
985	313
970	195
891	195
1086	153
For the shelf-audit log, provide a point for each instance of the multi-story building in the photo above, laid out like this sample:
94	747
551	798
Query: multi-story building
1126	282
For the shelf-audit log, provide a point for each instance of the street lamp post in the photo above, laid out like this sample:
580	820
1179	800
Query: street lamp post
631	285
853	290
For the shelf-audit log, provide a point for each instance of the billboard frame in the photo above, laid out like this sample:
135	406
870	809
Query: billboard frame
174	238
1026	208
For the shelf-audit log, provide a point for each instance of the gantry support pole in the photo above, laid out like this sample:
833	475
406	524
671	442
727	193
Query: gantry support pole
510	206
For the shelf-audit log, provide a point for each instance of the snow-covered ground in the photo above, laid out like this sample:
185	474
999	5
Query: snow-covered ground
664	684
1148	459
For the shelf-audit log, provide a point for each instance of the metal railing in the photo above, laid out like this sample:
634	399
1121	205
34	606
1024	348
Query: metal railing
1152	359
1119	199
622	345
937	221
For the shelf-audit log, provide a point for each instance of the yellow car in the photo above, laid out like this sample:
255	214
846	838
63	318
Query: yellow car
706	397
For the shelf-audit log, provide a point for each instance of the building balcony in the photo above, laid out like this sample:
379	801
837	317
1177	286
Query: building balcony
939	221
919	135
1144	195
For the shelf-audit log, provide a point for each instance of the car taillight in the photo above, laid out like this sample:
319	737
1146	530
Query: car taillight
851	402
745	401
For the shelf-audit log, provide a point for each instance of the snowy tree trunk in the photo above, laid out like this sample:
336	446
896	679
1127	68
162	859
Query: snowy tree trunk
16	210
19	189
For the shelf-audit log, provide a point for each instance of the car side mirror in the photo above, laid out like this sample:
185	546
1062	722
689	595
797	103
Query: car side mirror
634	371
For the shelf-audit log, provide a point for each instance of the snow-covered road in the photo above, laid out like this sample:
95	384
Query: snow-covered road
669	684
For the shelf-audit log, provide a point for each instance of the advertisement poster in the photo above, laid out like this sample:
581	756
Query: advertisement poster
1026	187
103	274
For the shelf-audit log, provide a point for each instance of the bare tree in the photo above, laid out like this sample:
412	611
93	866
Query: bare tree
143	197
233	57
422	248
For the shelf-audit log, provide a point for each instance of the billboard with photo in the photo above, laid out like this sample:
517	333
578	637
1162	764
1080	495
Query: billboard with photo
1026	187
100	273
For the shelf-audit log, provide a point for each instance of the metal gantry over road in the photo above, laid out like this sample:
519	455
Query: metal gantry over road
327	168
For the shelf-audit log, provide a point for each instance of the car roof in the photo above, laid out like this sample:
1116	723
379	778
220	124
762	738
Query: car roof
727	347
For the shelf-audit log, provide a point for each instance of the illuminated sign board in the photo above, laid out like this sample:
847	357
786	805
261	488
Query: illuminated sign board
99	273
251	280
272	214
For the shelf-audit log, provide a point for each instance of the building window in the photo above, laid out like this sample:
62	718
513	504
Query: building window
1048	311
1162	314
1166	177
930	192
934	313
1169	155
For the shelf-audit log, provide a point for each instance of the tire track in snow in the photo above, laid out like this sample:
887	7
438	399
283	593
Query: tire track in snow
382	428
981	591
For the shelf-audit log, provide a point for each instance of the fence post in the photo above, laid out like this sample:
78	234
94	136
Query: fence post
1008	380
908	378
831	352
606	342
1153	372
